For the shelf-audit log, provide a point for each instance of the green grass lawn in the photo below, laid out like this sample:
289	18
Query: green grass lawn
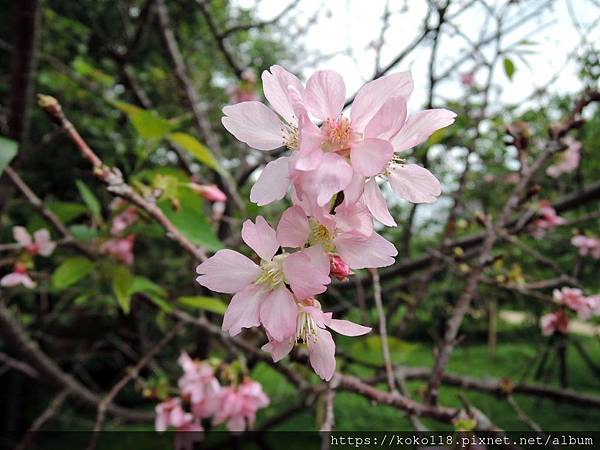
511	360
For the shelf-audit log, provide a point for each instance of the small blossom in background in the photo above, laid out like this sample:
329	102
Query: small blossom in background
39	244
123	220
576	300
555	322
245	90
199	386
468	79
235	404
568	160
120	248
238	405
547	220
18	276
588	246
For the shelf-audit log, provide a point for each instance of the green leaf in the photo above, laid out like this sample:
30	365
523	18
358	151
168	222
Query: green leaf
192	145
509	68
122	287
90	200
67	211
86	70
8	150
148	124
71	271
143	284
211	304
83	232
190	220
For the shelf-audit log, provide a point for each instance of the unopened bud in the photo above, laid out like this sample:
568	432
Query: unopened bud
209	191
339	268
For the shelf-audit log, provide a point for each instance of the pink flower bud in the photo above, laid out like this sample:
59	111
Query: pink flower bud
209	191
338	267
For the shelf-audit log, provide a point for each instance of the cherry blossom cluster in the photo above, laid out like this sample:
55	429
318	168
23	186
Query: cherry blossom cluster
332	173
547	220
567	161
587	245
203	397
572	299
29	246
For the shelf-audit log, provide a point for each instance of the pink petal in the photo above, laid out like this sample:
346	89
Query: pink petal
376	203
293	228
278	314
360	253
371	156
354	190
347	328
321	354
414	183
420	126
305	278
318	258
21	235
255	124
354	220
309	154
260	237
388	120
325	94
373	95
273	183
43	243
276	88
227	271
278	349
243	310
333	175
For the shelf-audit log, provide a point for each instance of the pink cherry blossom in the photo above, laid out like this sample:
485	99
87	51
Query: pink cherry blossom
18	276
349	234
468	79
568	160
244	91
587	246
170	413
238	405
209	191
574	299
327	159
123	220
311	324
39	244
547	220
261	292
199	386
120	248
377	127
555	322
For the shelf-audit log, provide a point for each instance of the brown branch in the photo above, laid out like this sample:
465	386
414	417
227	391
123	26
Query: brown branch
42	419
37	203
383	330
200	120
130	375
11	331
261	24
113	179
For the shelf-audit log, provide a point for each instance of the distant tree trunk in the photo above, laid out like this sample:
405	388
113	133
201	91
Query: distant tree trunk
26	25
25	31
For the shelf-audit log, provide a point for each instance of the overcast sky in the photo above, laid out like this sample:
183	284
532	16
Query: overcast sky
355	24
